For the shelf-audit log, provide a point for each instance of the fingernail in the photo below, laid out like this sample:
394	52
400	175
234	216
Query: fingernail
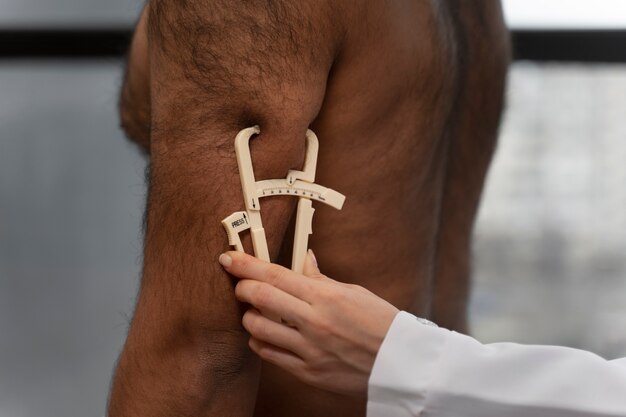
313	256
225	260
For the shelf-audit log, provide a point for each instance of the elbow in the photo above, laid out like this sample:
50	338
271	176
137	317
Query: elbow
174	372
213	357
229	363
225	357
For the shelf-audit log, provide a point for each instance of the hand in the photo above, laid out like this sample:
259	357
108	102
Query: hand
330	331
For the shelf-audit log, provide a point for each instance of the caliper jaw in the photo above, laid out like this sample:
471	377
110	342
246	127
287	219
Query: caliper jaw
310	162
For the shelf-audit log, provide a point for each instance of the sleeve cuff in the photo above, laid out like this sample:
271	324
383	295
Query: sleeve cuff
405	368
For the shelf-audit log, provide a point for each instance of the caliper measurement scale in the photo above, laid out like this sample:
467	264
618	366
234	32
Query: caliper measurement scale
300	184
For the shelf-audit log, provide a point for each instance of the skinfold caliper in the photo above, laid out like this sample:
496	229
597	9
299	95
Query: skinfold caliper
300	184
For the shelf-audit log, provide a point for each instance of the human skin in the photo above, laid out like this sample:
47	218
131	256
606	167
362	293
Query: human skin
329	333
186	352
405	98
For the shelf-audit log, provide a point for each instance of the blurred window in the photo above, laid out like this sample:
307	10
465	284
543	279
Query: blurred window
565	14
551	233
64	14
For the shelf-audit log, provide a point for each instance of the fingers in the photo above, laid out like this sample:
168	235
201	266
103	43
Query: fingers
311	269
244	266
277	356
268	331
273	301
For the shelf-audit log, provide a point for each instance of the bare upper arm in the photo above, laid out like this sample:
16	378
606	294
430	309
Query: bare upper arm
226	64
215	67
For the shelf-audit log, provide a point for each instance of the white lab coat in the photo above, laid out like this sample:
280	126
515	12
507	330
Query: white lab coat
427	371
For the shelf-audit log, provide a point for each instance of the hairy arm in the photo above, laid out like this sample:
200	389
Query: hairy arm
215	67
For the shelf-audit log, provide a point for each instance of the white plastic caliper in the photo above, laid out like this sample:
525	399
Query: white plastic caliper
299	184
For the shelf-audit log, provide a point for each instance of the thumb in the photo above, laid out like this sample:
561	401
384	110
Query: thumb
310	268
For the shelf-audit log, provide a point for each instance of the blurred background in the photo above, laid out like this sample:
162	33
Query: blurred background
549	261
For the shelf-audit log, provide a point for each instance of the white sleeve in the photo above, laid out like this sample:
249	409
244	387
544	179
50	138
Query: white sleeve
423	370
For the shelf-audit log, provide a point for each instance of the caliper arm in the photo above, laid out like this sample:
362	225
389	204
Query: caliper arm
299	184
248	185
304	227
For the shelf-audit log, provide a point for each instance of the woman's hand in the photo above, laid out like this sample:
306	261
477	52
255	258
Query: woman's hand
330	331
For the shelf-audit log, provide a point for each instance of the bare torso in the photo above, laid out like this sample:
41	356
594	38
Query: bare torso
407	128
415	98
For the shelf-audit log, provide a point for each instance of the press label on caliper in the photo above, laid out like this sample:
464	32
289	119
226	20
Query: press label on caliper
239	222
235	224
300	184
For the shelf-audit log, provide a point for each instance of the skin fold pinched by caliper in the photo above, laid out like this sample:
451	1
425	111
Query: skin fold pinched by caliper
299	184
